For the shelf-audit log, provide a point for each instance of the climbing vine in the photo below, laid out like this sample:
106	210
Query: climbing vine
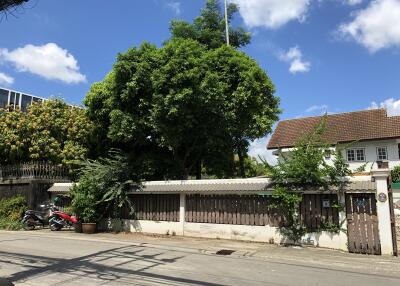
305	169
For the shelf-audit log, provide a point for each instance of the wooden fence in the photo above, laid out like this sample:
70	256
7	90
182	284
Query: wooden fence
319	209
154	207
231	209
315	209
35	170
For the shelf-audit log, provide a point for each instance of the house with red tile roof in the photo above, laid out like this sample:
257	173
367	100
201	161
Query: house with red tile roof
368	137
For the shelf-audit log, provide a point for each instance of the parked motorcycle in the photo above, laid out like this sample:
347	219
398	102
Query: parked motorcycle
34	218
59	220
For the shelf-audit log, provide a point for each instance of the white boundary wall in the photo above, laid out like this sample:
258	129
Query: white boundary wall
236	232
266	234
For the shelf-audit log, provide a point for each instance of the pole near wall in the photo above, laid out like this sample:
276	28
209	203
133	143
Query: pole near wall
182	210
226	23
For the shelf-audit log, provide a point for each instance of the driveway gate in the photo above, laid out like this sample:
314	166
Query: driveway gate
362	223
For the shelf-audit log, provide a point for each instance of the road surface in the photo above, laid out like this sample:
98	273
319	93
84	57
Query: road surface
37	258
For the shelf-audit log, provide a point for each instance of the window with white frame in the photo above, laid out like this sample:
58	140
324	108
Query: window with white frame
381	153
355	155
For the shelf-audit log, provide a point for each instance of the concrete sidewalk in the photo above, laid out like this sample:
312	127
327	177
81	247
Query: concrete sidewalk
66	258
261	251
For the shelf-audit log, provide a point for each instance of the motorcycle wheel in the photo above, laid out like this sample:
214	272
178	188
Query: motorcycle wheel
55	227
29	224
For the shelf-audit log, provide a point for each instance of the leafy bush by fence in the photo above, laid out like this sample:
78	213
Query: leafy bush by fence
11	212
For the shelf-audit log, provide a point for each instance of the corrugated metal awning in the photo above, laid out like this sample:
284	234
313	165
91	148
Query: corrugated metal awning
222	185
60	188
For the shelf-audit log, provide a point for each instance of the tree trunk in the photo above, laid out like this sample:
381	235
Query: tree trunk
241	163
198	170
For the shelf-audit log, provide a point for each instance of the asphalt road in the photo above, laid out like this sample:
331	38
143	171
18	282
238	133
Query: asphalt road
37	259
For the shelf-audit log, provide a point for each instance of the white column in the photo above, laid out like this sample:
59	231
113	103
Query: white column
343	220
182	212
383	210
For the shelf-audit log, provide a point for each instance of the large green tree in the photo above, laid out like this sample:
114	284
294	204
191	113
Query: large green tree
183	107
188	107
50	131
249	105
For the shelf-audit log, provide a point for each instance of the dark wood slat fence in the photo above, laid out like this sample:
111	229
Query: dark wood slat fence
362	224
314	213
231	209
154	207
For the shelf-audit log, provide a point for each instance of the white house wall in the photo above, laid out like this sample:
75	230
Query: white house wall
370	153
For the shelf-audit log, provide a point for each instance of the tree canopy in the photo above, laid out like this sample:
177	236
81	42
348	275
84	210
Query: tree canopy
50	131
186	108
185	105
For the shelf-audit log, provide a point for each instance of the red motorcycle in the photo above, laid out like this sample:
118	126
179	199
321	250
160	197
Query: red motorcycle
59	220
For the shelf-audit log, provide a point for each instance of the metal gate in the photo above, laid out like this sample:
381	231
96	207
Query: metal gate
362	223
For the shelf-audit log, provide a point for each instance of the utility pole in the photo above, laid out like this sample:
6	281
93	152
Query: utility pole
226	23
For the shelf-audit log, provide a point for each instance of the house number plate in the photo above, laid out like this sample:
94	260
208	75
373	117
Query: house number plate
326	203
382	197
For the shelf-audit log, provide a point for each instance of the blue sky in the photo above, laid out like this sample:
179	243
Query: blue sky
322	55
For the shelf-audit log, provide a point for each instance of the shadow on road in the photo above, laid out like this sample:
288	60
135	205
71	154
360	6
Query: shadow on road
117	265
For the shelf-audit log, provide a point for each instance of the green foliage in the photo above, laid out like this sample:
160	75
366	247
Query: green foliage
305	169
288	204
102	187
254	168
49	131
11	212
395	173
9	224
209	28
305	166
182	108
187	108
330	227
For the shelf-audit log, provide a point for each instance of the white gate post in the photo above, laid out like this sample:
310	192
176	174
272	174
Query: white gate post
383	210
182	206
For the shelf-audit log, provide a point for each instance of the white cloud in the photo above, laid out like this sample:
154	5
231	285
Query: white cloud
294	56
259	148
375	27
392	106
175	6
352	2
48	61
6	79
320	108
272	14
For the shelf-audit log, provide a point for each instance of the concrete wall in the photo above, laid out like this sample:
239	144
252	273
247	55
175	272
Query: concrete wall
265	234
34	191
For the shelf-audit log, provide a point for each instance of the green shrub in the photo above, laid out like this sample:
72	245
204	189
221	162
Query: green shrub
11	212
396	174
13	208
9	224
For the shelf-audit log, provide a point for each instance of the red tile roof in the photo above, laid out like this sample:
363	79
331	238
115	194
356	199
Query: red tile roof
343	127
